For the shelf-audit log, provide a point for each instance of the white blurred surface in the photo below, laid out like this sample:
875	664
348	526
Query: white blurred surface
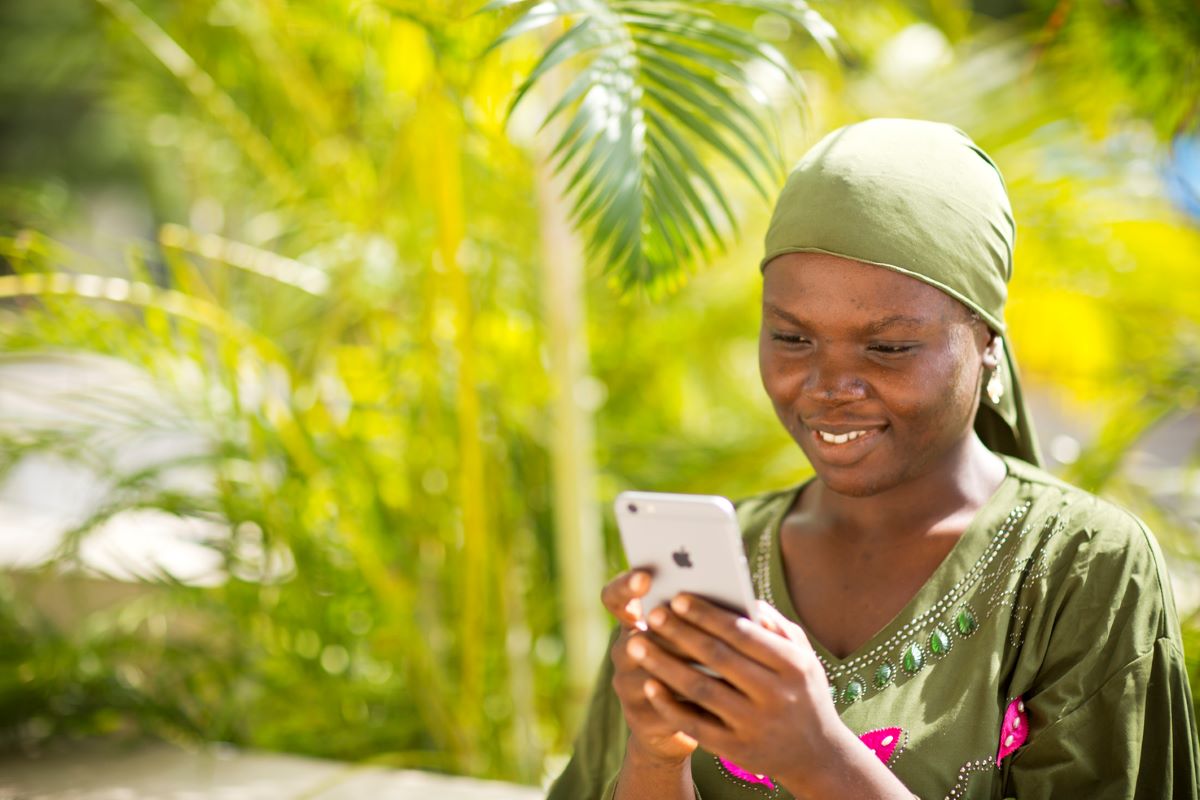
119	423
104	771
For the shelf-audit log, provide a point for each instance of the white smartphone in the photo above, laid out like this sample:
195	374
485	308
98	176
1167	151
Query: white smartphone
688	543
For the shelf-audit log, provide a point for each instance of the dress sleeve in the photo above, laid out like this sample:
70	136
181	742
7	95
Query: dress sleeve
595	765
1103	677
600	746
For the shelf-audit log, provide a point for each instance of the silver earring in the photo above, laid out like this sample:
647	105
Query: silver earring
995	389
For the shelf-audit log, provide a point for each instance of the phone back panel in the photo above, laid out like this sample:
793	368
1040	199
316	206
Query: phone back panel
689	543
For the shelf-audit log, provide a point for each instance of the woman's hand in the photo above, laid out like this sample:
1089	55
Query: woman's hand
771	714
653	742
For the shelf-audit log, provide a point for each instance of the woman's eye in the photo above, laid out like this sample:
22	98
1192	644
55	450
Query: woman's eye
789	338
892	349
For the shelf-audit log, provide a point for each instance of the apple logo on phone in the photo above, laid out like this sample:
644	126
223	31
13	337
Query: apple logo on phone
682	558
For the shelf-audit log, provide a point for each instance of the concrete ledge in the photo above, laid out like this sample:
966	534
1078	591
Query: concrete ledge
107	771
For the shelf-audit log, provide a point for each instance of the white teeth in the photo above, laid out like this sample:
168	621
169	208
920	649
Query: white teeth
840	438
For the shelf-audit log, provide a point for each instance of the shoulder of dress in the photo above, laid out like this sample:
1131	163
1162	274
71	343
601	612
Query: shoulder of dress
757	511
1076	533
1101	548
1078	512
1031	474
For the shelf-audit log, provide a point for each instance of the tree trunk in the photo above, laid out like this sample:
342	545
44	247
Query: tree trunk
578	544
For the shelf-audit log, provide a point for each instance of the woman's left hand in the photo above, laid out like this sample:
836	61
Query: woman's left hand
772	714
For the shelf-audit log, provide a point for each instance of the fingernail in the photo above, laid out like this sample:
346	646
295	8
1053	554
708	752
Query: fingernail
680	604
639	581
657	617
650	689
637	650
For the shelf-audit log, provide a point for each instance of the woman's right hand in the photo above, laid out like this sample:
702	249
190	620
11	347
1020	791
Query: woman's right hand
652	741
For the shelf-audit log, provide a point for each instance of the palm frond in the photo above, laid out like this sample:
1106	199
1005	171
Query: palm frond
661	89
216	102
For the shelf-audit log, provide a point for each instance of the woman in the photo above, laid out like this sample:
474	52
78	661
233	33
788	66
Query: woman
942	618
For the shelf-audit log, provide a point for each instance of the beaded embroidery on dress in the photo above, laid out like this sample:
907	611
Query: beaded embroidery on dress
886	743
757	783
929	637
1014	731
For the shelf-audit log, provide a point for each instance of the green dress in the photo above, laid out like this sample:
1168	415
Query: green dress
1041	659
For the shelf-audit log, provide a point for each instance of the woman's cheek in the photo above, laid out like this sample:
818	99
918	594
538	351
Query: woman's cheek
781	379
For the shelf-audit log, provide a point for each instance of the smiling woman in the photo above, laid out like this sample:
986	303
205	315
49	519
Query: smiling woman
940	617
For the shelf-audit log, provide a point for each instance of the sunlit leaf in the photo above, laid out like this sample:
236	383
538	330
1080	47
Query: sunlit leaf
660	91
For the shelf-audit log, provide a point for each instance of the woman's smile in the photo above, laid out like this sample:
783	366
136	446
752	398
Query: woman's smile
842	445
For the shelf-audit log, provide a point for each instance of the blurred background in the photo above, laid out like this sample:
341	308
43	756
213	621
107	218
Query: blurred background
321	362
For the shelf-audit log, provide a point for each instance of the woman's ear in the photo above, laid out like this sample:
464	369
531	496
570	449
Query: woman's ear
993	352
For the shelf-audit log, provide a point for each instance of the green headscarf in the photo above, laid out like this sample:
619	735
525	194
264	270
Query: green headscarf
922	199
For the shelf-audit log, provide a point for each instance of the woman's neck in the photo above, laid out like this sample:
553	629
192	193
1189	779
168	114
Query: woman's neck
957	486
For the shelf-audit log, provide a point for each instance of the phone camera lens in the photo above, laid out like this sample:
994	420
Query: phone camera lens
632	508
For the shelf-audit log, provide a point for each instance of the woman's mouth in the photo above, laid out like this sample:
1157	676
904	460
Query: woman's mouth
844	445
840	438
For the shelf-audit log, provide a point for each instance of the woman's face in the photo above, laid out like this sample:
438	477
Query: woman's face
875	374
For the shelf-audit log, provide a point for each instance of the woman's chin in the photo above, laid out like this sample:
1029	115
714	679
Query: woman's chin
849	485
858	480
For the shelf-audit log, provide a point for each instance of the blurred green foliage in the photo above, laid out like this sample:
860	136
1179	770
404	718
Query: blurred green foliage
315	229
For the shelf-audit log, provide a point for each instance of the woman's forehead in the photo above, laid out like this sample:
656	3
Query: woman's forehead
821	285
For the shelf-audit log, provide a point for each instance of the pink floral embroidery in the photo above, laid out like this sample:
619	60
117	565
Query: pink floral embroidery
1014	731
746	775
882	742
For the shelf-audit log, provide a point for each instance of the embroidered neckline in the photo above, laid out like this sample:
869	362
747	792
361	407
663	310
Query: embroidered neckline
929	636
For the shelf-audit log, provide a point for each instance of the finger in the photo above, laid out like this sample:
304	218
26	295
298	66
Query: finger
627	669
711	694
628	677
619	653
687	643
628	684
736	632
775	621
687	720
620	595
767	619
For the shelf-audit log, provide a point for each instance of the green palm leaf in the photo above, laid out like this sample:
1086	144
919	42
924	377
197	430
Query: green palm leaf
664	91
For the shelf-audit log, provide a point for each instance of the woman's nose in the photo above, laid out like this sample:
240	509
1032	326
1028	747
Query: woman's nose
830	382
